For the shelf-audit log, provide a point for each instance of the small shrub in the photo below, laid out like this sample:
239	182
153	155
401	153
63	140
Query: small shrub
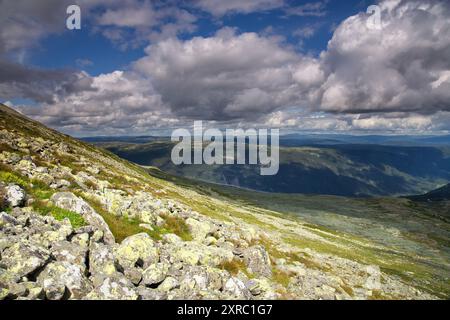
234	266
177	226
9	177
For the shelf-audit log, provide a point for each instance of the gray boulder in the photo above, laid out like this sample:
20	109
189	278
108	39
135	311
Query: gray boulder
69	201
15	195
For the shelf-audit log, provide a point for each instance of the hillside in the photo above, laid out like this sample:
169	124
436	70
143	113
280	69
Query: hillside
438	195
333	169
81	223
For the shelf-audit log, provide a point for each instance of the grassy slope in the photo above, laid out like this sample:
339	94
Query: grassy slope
286	218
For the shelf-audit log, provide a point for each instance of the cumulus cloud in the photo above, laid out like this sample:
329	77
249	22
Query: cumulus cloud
227	76
402	67
118	103
396	77
17	80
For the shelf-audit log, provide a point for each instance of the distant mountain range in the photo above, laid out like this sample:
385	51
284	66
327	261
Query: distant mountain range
333	169
297	139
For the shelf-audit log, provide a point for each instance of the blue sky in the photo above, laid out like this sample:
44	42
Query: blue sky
64	50
137	66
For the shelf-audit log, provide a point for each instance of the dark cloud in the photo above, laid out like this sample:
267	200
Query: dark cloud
40	85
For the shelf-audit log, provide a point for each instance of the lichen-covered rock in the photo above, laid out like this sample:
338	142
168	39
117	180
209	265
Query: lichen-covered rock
168	284
64	280
200	229
73	253
236	289
101	262
15	196
137	250
155	274
115	287
258	261
69	201
22	259
194	253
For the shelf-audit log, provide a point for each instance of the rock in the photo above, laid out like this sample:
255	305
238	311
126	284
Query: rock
7	219
146	226
116	287
64	280
3	293
101	262
200	229
155	274
134	275
194	253
22	259
257	261
168	284
69	201
15	196
236	289
28	289
151	294
171	238
373	281
137	250
200	279
73	253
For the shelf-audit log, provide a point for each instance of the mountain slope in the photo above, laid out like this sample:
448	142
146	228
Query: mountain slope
134	235
440	194
343	169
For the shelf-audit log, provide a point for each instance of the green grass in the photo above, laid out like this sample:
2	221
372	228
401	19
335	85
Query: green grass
9	177
59	214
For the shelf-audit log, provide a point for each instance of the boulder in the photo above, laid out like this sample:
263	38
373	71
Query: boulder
115	287
155	274
137	251
15	195
235	288
200	229
22	259
69	201
257	260
64	280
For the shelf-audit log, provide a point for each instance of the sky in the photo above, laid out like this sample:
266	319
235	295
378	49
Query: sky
141	67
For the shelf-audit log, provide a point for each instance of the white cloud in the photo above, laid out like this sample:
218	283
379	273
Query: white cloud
226	76
403	67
